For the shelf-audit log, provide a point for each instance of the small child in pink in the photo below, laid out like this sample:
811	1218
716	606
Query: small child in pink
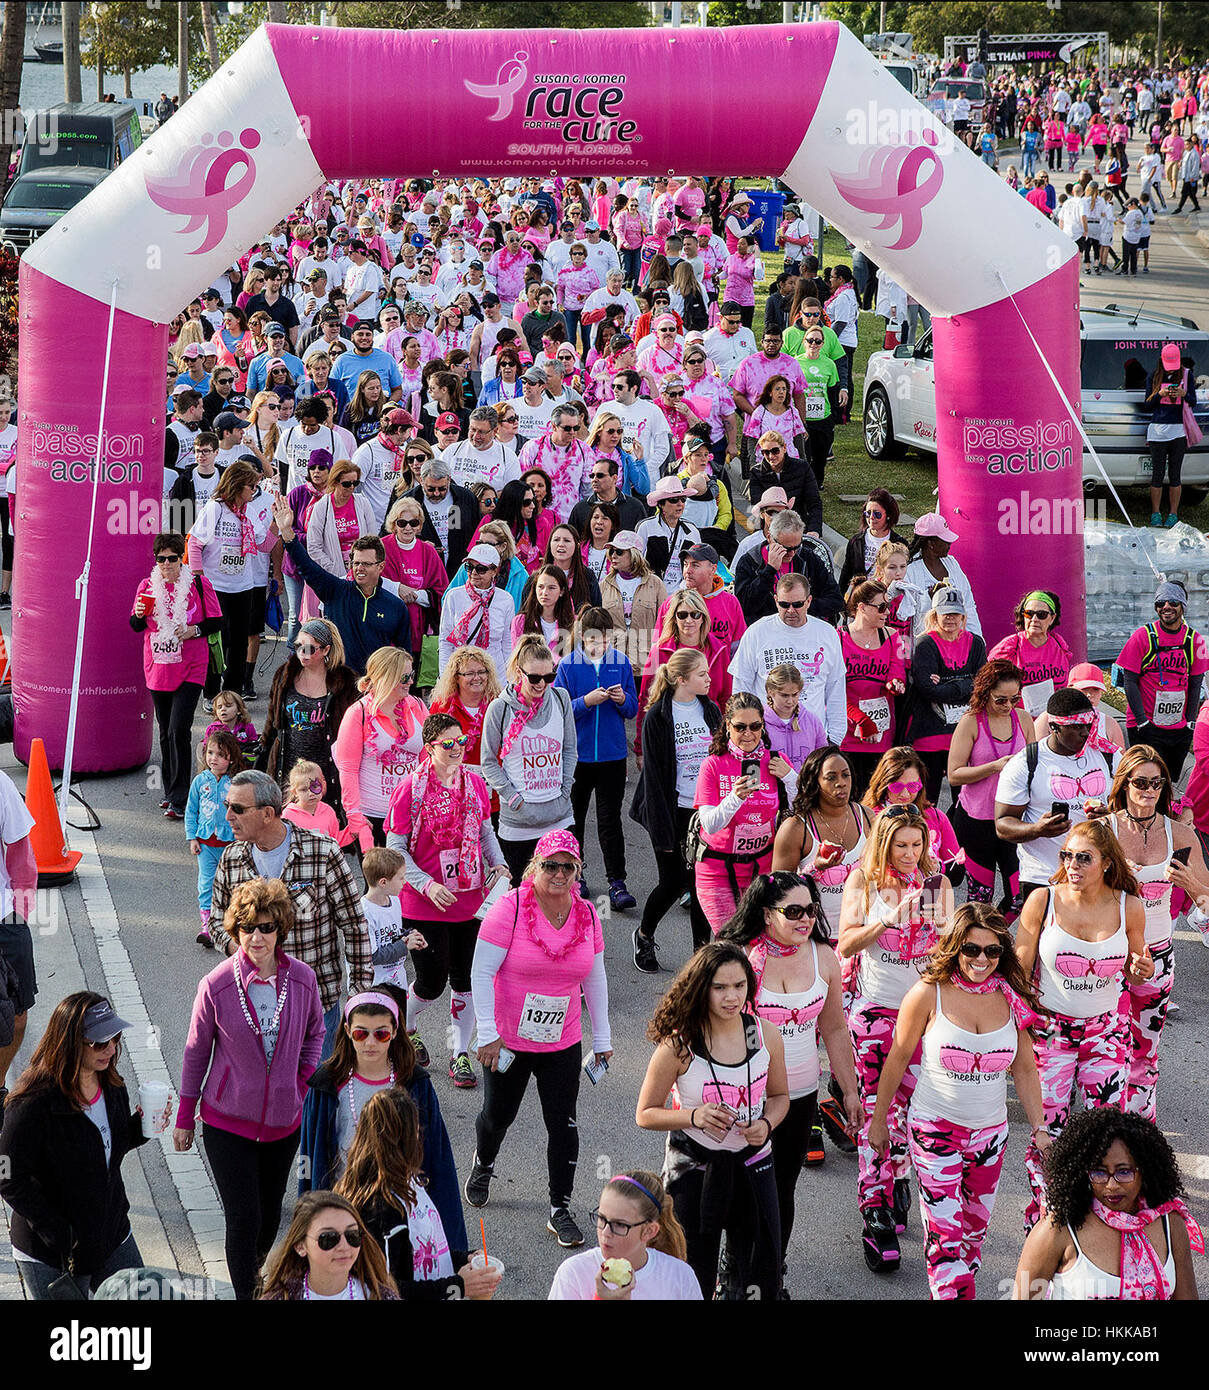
305	805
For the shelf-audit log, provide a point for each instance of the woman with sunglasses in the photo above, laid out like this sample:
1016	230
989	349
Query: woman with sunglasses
338	518
1040	652
510	575
992	730
703	386
373	1054
1087	938
708	506
530	752
439	820
378	744
508	424
258	1009
797	992
261	436
327	1255
540	947
878	520
465	689
1140	801
876	676
899	780
415	566
68	1126
516	508
604	446
894	906
724	1073
1112	1182
967	1021
505	385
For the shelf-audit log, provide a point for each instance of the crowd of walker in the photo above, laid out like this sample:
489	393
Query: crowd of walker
536	512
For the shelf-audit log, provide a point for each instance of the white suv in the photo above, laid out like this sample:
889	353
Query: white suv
1119	352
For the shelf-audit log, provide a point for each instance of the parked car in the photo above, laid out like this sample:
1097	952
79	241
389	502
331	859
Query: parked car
36	201
945	92
1120	349
91	134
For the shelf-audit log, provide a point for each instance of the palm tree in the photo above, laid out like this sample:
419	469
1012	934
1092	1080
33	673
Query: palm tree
207	19
182	39
71	51
12	55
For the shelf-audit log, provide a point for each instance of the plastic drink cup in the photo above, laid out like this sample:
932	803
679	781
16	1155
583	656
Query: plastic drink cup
154	1097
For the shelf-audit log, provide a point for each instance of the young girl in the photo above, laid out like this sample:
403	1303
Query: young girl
908	602
305	805
206	824
793	730
231	715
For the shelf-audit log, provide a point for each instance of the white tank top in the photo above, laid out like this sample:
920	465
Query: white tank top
1155	892
797	1017
742	1087
892	964
963	1075
1081	979
1087	1282
831	881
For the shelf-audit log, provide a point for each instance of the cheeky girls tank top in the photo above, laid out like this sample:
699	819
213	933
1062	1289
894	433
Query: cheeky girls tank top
831	881
892	964
1081	979
797	1016
741	1086
963	1075
1088	1282
1155	892
978	798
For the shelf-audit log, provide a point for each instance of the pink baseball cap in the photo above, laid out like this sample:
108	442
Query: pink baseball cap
1085	676
1171	356
933	524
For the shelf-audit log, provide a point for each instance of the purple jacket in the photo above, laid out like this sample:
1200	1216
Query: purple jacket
794	745
240	1093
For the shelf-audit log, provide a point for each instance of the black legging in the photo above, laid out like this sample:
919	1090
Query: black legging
557	1076
174	711
1166	461
936	765
237	609
6	528
863	766
790	1140
607	780
819	435
673	880
747	313
986	852
446	959
1053	157
251	1180
517	854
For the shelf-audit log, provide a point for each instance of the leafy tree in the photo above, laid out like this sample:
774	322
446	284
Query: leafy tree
495	14
865	18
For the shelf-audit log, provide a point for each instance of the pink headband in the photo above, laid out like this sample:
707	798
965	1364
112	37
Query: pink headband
1083	717
557	842
371	999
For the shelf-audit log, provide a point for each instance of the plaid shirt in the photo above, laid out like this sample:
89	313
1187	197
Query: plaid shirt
327	905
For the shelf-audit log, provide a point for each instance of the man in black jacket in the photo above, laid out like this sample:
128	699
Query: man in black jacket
603	478
451	513
757	573
795	475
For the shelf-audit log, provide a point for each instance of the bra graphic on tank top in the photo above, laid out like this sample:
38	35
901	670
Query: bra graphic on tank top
796	1016
893	963
1081	979
831	881
740	1085
1088	1282
963	1075
1155	892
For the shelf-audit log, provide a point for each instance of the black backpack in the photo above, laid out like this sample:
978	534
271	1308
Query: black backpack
696	315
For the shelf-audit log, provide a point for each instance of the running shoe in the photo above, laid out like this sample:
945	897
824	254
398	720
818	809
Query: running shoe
882	1254
461	1073
1171	520
644	953
562	1224
835	1122
6	600
815	1153
1156	518
902	1203
422	1056
478	1184
620	896
174	813
204	938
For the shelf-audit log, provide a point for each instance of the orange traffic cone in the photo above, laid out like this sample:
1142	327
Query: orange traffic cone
56	863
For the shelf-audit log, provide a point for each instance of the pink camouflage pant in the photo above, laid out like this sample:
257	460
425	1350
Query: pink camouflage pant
958	1171
1147	1015
872	1029
1090	1054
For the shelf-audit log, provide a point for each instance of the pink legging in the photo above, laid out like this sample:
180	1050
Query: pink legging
1147	1014
872	1029
714	893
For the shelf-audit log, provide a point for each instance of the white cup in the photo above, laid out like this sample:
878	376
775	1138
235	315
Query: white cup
154	1097
479	1261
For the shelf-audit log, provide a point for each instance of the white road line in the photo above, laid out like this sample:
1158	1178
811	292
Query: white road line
1194	1166
202	1207
1188	936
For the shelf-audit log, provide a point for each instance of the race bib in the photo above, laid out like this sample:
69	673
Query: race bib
165	648
543	1017
449	861
1036	697
952	713
232	561
877	709
751	839
1169	708
816	407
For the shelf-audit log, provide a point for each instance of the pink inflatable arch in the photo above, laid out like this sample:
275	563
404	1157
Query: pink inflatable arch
806	102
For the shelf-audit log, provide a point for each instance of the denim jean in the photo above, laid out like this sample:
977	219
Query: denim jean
38	1277
294	585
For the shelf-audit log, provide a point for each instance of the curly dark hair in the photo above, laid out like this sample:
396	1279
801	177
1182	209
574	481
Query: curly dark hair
682	1016
807	798
769	891
988	677
1083	1144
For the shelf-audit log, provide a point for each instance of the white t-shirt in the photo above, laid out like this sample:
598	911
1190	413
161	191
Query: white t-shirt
217	532
814	648
533	418
15	824
358	279
470	465
691	739
662	1277
1071	780
643	423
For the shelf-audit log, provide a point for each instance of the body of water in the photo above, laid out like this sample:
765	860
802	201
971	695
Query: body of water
42	83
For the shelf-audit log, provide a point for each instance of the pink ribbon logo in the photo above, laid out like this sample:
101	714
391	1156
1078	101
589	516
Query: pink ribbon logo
207	184
891	184
508	81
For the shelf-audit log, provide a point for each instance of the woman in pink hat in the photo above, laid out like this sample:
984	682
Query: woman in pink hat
538	948
932	564
1172	394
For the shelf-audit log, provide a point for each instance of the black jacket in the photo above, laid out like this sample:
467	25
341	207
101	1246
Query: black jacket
463	522
756	583
954	687
65	1200
654	804
388	1226
801	487
854	558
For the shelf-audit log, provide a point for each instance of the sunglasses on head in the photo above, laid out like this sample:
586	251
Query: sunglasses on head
379	1034
328	1240
911	811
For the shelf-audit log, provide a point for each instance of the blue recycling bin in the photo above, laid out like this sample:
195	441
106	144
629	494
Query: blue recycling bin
771	207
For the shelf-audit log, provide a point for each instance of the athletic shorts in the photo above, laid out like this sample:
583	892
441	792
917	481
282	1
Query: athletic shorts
17	947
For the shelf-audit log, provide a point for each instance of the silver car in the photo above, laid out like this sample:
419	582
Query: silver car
1120	348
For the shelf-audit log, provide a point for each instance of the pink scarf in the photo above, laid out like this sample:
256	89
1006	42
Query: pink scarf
466	817
1141	1272
522	717
760	949
247	532
1022	1014
480	605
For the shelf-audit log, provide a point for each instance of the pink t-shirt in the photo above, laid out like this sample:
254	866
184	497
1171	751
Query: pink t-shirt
753	372
529	982
194	651
740	280
322	820
437	857
752	827
576	284
1167	676
348	527
868	670
1050	662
